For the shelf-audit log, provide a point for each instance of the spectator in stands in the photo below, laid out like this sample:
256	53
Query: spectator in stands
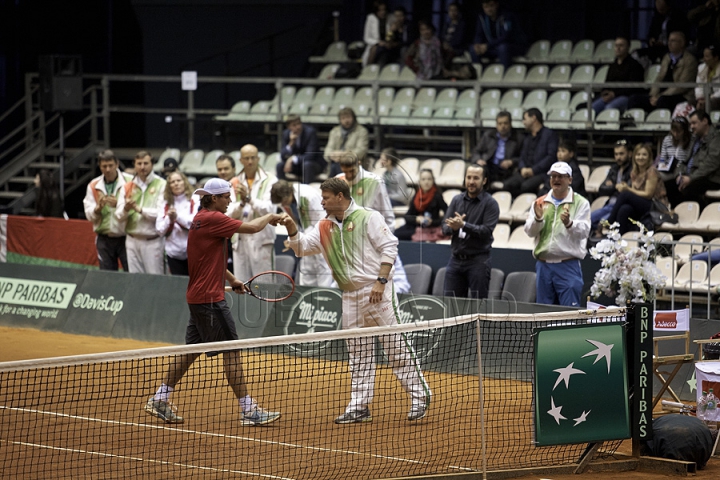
470	220
425	56
498	35
675	148
176	211
397	39
252	253
708	72
706	17
701	171
47	197
539	151
300	154
367	189
393	178
101	199
566	152
635	199
677	66
423	220
138	208
303	204
618	173
225	166
453	35
348	138
170	165
375	31
623	69
498	150
666	19
560	224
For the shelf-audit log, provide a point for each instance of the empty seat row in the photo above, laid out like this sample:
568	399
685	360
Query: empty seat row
583	51
197	162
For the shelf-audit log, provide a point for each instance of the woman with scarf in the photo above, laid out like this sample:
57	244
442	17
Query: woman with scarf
423	221
176	211
425	56
348	138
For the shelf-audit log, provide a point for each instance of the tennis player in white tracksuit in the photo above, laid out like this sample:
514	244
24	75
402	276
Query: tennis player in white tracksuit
361	250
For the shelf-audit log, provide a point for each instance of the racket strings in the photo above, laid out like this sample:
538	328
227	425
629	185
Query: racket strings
271	286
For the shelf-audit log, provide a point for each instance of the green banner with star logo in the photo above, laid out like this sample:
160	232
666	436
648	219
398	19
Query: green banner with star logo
581	384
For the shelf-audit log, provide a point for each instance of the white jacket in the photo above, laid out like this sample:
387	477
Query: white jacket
106	223
368	191
259	205
176	241
702	77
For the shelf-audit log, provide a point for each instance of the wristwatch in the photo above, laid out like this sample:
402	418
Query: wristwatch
382	280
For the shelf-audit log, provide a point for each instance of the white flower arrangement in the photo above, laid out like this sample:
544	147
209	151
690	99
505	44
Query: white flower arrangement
627	273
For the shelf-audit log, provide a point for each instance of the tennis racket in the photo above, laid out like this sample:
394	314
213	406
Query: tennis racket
269	286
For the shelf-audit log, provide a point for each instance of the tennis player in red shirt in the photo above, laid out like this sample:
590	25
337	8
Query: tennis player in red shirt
210	317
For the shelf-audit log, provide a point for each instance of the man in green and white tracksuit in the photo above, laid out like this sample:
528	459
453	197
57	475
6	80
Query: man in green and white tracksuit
361	250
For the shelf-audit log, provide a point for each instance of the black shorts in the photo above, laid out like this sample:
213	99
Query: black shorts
210	322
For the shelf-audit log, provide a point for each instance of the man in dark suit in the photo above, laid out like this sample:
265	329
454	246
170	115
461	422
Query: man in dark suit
300	154
538	153
498	150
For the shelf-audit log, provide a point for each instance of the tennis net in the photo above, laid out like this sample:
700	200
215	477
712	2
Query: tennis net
84	416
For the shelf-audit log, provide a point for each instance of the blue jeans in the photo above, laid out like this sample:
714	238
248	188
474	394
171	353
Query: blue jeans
559	283
598	216
471	274
713	256
621	103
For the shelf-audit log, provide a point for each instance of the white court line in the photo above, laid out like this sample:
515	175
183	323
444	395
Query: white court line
140	459
211	434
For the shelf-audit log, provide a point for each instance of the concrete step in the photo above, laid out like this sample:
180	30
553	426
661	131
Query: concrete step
11	195
23	180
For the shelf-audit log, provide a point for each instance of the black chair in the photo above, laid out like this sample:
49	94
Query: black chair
497	278
438	288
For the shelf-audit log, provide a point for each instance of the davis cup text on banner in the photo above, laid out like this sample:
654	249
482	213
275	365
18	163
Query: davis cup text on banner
35	293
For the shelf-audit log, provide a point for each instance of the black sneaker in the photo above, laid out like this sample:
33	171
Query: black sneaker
356	416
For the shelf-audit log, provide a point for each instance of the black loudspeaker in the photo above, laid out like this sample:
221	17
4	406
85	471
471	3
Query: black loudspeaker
60	83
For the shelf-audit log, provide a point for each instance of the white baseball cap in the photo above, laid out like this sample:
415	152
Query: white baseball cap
560	167
214	186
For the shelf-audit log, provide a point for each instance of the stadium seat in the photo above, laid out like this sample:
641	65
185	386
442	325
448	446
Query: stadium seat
260	112
369	72
336	52
713	194
299	108
667	267
192	161
238	112
516	115
452	174
478	69
519	208
560	51
493	74
420	116
167	153
438	289
597	177
520	287
709	220
328	71
635	44
637	114
465	116
584	171
501	235
404	96
446	98
515	74
511	99
688	214
599	202
305	95
559	74
490	98
519	239
583	74
407	75
657	120
450	193
468	98
418	275
631	238
208	165
601	74
409	168
489	114
713	281
604	52
344	97
651	73
390	72
425	97
270	162
539	51
537	74
535	99
691	275
504	200
320	114
235	154
443	117
583	51
433	164
558	100
363	96
686	247
608	119
398	116
581	119
385	98
558	119
577	99
495	286
324	96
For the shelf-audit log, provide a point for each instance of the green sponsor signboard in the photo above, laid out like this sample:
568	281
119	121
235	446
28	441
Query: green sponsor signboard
581	384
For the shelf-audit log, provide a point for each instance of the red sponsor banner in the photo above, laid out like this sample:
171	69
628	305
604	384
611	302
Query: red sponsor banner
53	238
666	320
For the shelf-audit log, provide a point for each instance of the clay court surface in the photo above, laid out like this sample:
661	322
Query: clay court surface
123	446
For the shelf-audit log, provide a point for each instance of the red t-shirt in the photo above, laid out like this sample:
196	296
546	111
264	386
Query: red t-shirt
207	255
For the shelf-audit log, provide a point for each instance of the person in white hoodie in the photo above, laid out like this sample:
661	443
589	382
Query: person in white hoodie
361	250
176	211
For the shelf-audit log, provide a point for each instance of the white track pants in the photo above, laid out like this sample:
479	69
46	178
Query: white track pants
145	256
359	312
250	259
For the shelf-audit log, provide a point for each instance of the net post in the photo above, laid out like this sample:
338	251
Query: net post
481	400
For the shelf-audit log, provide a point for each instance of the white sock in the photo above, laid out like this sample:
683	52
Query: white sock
163	393
246	403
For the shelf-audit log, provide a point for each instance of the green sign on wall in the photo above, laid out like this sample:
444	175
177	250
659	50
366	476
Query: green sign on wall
581	384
